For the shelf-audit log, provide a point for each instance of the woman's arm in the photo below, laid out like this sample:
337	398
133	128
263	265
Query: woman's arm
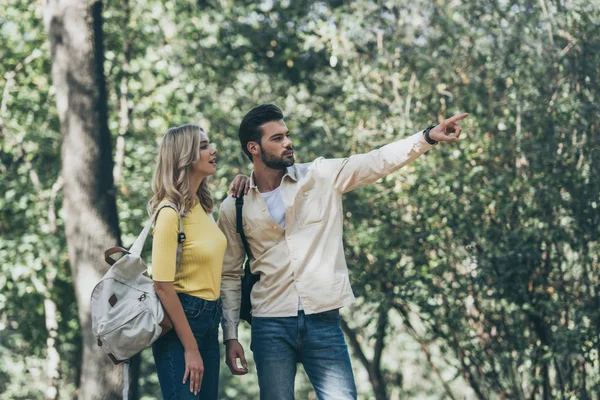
164	255
194	367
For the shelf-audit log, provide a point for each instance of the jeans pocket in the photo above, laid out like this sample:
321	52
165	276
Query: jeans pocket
192	312
192	306
330	316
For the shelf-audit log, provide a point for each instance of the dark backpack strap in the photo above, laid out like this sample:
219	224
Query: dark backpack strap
248	279
239	224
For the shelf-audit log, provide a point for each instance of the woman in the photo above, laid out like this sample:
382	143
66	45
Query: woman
187	358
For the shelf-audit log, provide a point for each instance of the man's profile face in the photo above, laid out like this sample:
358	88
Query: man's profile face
276	148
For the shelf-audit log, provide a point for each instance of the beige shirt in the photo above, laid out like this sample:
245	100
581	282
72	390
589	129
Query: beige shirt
306	259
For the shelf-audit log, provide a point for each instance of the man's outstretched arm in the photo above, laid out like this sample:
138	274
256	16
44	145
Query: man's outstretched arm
362	169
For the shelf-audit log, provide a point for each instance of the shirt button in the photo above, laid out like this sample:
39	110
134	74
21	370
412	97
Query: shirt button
295	257
264	209
289	238
274	226
306	194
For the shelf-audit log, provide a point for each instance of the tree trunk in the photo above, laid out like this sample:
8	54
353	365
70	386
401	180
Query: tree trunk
75	32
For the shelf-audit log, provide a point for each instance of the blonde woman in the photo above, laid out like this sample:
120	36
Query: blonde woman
187	358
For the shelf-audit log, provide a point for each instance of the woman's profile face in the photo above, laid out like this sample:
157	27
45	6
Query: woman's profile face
207	164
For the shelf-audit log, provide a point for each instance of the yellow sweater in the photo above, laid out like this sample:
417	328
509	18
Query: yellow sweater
199	272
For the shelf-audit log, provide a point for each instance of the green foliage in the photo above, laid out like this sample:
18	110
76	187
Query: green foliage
32	241
487	248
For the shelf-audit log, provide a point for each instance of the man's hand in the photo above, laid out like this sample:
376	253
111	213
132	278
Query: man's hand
233	352
442	132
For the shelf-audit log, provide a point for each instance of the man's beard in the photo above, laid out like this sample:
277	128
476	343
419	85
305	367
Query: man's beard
274	162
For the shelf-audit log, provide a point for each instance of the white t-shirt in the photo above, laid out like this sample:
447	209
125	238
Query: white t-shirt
275	206
277	210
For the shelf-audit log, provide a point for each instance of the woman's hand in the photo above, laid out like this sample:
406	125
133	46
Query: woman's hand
194	368
241	184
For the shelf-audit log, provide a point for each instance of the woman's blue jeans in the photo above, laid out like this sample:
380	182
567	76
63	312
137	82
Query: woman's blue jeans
204	317
316	341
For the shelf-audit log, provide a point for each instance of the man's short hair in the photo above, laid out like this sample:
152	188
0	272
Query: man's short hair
250	127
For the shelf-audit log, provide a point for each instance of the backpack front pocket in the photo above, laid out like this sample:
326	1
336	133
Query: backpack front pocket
128	332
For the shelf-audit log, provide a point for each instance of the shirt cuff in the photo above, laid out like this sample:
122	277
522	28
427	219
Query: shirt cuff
422	145
230	332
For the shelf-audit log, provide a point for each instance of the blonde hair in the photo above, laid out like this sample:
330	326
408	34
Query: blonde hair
180	148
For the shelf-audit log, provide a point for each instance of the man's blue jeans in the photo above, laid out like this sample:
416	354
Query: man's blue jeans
316	341
204	317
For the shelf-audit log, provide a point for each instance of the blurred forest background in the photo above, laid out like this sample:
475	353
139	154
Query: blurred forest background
476	267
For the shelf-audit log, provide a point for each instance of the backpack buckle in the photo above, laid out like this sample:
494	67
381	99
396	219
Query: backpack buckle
181	237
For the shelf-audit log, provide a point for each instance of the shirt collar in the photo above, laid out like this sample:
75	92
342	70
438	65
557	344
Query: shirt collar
290	171
252	183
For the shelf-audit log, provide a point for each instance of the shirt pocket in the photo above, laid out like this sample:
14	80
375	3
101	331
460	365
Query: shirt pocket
253	226
257	229
310	207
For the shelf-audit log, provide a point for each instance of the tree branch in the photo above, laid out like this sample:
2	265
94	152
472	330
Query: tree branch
403	311
379	341
353	337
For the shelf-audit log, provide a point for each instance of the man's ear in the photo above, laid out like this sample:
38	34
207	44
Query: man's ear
253	148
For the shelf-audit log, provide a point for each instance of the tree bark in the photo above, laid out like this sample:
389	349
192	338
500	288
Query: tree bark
75	32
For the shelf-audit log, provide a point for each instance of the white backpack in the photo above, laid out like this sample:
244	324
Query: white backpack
127	315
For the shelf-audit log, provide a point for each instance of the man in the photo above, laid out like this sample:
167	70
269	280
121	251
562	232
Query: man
293	222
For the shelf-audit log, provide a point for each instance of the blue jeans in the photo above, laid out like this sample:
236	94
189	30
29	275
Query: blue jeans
204	317
316	341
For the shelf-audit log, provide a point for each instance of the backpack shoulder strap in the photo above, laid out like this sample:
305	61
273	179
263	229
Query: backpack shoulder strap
180	234
138	245
239	224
